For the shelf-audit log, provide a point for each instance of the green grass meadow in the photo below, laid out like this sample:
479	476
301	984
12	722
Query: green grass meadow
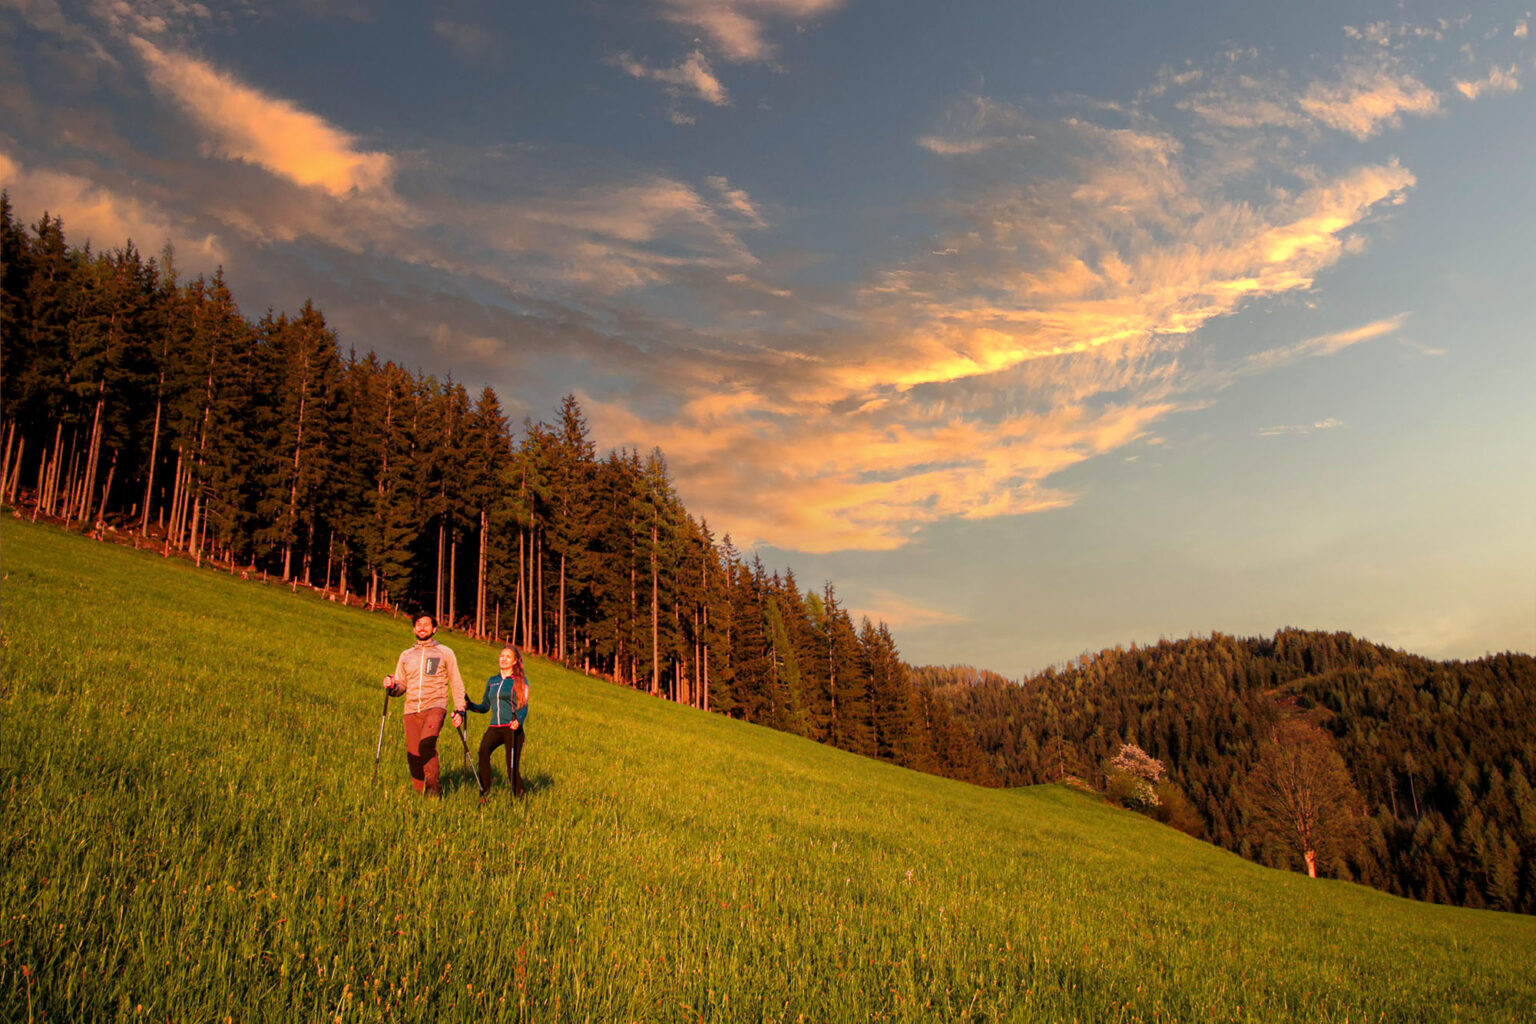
190	834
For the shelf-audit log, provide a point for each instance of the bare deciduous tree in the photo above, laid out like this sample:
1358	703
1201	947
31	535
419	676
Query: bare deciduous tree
1300	793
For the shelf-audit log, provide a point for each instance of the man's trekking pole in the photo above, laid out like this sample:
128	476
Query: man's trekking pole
464	739
378	747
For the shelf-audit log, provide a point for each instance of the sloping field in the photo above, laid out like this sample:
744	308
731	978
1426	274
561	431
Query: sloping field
189	834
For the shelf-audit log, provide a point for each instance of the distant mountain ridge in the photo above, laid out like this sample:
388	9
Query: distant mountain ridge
1443	753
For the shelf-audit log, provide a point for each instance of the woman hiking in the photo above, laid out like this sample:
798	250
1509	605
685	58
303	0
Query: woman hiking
506	699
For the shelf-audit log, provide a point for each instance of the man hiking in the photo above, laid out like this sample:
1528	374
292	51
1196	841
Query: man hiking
426	675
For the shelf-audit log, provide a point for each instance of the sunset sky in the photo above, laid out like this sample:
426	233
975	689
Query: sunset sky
1036	328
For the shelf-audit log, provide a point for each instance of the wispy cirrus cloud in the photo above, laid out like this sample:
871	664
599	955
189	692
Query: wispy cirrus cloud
1368	98
738	29
242	123
1051	316
1498	80
621	235
1292	430
733	31
1368	95
693	76
1044	324
1322	345
470	41
903	612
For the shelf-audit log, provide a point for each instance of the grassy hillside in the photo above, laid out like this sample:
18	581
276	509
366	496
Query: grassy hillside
190	834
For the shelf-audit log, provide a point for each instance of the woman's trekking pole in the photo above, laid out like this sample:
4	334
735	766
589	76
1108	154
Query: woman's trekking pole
464	739
378	747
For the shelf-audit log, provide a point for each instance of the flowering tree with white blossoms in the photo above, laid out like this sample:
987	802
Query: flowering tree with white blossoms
1132	775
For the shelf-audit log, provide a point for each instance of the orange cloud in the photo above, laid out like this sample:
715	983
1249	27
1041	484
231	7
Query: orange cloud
1043	329
1323	345
102	216
1498	80
616	237
242	123
807	477
736	27
694	75
1125	259
1368	98
901	612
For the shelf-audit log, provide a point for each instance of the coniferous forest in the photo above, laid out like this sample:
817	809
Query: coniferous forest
143	407
1439	756
147	409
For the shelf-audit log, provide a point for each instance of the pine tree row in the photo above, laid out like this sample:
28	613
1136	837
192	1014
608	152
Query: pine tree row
139	404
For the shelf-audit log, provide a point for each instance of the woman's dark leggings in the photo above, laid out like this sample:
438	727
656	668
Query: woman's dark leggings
499	735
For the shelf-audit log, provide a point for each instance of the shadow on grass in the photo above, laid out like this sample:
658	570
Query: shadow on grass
459	778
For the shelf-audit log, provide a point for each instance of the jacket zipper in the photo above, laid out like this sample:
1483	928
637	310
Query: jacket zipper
421	676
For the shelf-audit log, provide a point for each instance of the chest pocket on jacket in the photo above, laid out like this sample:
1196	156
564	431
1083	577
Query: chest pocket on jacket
432	664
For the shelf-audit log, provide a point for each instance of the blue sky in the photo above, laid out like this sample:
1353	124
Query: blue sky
1035	328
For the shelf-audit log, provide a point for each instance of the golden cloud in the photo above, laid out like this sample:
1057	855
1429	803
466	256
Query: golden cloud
900	611
736	27
1368	98
1323	345
1498	80
1044	329
694	74
98	214
242	123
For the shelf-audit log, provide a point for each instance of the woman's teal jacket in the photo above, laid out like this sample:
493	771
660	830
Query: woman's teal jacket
501	701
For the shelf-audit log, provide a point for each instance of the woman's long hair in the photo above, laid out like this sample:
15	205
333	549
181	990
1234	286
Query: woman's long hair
519	676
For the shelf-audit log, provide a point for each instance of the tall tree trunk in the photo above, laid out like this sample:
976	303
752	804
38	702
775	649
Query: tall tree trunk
439	612
5	466
655	617
291	523
634	614
74	493
539	593
48	471
194	540
93	456
480	582
519	605
453	581
560	645
101	510
171	525
74	483
10	490
154	453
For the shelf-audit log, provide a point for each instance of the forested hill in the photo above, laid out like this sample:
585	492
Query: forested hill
1442	753
147	408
